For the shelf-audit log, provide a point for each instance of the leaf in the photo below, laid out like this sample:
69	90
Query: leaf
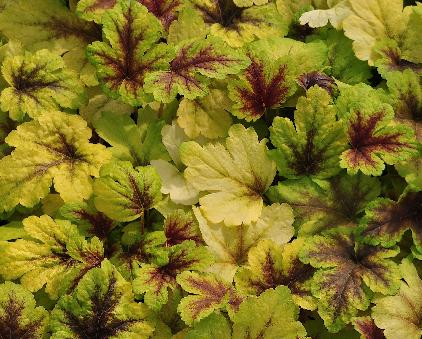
213	326
131	52
399	315
210	294
195	62
367	328
188	25
386	221
55	255
155	280
270	265
180	226
52	148
230	245
123	193
312	146
129	142
101	306
206	116
265	84
310	79
93	10
347	273
19	315
372	21
238	179
164	10
375	139
38	82
320	17
411	43
271	315
338	202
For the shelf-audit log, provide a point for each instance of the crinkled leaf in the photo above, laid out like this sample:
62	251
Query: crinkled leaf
347	273
123	62
310	147
53	148
124	193
38	82
374	139
155	280
338	202
271	315
237	173
230	245
195	62
56	255
400	315
20	317
101	306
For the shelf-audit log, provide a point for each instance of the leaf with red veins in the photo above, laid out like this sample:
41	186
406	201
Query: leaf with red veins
93	10
374	139
180	226
191	69
386	220
367	328
265	84
164	10
307	80
155	280
122	63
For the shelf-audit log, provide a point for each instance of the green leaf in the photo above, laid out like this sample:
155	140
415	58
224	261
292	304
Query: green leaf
55	255
131	52
193	65
19	315
265	84
411	44
213	326
399	315
52	148
93	10
231	244
338	202
310	147
374	139
188	25
102	306
271	315
38	82
124	193
348	274
155	280
238	179
180	226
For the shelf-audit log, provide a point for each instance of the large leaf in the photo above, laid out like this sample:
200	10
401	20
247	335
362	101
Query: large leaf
347	273
55	255
53	148
310	147
237	173
193	65
101	306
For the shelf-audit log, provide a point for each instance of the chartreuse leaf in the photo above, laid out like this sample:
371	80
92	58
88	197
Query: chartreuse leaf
310	147
164	10
124	193
53	148
20	317
154	280
337	202
372	21
195	62
271	315
270	265
129	142
55	255
122	63
237	180
101	306
38	82
400	315
188	25
348	274
374	139
412	47
231	244
6	126
386	220
367	328
213	326
210	294
93	10
206	116
265	84
180	226
238	26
